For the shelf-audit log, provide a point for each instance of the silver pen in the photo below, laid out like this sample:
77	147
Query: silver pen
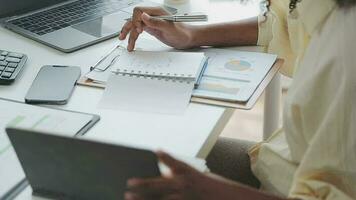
181	18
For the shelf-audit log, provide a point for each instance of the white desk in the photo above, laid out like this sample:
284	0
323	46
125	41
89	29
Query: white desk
191	134
194	127
199	124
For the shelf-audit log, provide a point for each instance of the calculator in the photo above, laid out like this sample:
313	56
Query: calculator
11	64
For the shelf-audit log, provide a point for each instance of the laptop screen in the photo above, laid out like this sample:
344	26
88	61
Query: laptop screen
10	8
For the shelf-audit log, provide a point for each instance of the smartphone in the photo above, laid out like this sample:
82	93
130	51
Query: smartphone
54	84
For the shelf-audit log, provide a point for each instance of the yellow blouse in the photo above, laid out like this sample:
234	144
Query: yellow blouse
287	34
313	157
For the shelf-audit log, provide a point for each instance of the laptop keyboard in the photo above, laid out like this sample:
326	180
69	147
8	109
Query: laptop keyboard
69	14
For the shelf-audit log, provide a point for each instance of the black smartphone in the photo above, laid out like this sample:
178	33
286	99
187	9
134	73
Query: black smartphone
53	84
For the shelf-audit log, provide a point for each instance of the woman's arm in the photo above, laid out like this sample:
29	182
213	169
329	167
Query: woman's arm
238	33
184	36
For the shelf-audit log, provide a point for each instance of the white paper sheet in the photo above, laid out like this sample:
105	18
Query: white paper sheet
146	95
224	89
238	65
233	75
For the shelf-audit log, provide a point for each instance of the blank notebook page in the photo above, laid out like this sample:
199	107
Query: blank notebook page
141	94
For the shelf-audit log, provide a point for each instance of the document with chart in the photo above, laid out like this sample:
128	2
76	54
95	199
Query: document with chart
233	75
21	115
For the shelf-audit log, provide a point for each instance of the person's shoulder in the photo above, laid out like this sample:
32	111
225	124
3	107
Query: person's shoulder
336	41
339	35
346	26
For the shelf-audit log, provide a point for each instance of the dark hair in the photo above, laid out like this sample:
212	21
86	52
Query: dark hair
293	4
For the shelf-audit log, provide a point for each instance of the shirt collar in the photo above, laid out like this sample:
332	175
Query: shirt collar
314	12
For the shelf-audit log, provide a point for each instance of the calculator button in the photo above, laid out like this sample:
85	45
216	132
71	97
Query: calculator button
4	53
12	65
9	69
3	63
6	75
15	60
15	55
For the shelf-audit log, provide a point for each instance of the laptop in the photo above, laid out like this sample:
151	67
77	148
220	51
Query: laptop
61	167
68	25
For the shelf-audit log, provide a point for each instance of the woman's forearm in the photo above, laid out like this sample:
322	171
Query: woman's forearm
238	33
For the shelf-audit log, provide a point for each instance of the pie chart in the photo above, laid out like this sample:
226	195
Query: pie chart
238	65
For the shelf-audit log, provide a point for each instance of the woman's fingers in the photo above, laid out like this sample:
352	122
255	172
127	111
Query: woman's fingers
155	23
136	19
177	167
137	14
132	39
125	30
135	26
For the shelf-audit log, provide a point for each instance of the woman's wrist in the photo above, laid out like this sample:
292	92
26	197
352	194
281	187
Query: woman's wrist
197	36
243	32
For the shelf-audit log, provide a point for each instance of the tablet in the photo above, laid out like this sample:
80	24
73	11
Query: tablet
63	167
18	114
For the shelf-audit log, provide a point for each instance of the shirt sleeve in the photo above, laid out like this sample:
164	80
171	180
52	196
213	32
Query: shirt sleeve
264	30
327	170
273	34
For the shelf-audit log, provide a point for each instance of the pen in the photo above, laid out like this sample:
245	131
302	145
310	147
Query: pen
206	62
181	18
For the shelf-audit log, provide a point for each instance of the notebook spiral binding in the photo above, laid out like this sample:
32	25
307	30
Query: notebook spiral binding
164	77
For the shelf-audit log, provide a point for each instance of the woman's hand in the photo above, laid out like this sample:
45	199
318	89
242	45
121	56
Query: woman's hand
177	35
186	183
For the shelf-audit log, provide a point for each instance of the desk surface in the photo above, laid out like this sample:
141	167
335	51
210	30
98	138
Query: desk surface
146	129
191	134
199	124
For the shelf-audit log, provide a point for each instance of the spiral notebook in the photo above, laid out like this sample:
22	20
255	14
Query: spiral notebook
167	65
147	81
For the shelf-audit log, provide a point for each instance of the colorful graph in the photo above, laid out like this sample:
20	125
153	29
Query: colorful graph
219	88
238	65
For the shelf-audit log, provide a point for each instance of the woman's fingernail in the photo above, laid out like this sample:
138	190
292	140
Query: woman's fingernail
145	16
